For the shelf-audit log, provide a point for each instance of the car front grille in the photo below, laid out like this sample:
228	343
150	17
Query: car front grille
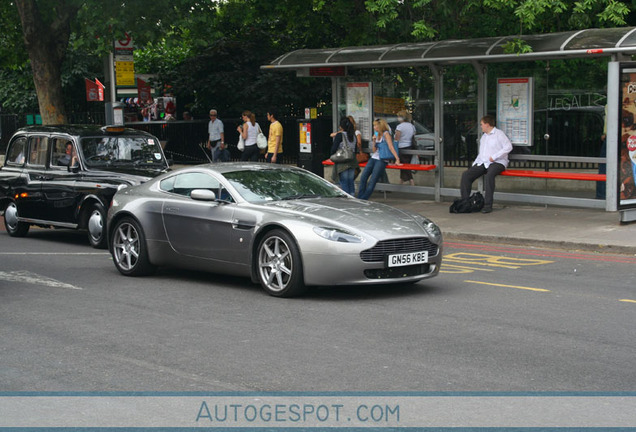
398	272
386	247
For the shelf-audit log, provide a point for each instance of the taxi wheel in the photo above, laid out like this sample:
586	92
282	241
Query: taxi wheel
129	249
280	269
96	226
14	227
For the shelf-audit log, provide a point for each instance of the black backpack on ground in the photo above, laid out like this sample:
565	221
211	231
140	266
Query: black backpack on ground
473	203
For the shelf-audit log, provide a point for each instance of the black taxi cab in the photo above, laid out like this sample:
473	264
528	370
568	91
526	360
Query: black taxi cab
65	176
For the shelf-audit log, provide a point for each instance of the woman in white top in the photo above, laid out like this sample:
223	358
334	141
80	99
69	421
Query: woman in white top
249	132
404	133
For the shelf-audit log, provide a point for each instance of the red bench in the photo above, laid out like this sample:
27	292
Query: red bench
554	175
412	167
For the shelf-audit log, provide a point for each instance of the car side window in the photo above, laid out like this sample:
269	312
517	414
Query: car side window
62	152
17	151
185	183
38	149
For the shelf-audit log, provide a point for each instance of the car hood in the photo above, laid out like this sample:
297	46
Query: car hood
376	219
134	176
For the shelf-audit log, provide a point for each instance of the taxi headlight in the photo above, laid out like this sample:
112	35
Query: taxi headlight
337	235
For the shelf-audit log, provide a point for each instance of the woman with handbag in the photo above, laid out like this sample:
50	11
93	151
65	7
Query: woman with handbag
249	132
384	152
344	143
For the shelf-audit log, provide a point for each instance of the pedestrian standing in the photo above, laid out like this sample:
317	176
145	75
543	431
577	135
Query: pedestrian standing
216	135
249	132
275	139
491	161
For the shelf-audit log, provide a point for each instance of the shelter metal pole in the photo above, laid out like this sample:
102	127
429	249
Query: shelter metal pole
612	137
482	105
438	84
335	100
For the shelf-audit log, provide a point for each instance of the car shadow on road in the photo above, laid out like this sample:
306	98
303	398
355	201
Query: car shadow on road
62	236
372	292
336	293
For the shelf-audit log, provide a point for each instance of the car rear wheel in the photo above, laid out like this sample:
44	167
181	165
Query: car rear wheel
129	250
279	265
14	227
95	224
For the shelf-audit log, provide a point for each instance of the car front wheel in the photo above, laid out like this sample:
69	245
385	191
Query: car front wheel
129	250
96	223
14	227
279	265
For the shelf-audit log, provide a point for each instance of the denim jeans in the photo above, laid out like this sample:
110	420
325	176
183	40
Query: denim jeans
346	181
370	177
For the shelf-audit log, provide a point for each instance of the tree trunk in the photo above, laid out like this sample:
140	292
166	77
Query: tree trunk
46	43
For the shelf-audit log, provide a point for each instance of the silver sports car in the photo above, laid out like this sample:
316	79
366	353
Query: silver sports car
281	226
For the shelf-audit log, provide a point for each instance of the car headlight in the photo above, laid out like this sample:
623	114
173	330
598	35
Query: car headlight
431	229
337	235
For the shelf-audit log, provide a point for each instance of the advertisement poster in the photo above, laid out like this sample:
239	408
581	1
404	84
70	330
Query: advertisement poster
359	97
515	109
627	146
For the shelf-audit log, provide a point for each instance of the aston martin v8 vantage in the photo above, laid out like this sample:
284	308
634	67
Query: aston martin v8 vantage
281	226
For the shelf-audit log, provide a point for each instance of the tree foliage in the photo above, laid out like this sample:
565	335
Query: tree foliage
210	52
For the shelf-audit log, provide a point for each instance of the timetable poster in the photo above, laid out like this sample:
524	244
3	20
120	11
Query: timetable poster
359	98
515	109
627	145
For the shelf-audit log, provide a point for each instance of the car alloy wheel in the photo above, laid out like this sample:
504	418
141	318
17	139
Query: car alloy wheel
129	249
279	265
14	227
95	227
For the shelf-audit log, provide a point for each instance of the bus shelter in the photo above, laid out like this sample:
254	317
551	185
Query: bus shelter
615	45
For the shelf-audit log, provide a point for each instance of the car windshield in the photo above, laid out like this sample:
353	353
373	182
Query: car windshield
121	150
280	184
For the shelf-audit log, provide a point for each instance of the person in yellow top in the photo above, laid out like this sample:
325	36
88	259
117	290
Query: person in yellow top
275	139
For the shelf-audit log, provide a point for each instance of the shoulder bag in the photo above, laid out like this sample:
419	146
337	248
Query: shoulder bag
344	153
261	140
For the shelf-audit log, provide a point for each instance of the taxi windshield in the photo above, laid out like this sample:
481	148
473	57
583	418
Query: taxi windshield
121	150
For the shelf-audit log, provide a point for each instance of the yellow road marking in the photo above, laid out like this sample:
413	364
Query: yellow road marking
509	286
450	268
628	301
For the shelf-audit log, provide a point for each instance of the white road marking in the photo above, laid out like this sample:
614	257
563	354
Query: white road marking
33	278
54	253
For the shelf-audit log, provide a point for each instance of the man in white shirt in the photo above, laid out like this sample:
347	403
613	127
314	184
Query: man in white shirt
491	161
216	136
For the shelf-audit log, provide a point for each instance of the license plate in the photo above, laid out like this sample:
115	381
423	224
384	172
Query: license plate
406	259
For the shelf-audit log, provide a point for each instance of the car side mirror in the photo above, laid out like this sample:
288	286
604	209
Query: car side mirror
203	195
75	167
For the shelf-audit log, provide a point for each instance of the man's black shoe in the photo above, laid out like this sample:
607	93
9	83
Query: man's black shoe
486	210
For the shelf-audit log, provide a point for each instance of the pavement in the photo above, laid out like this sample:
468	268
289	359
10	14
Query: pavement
574	229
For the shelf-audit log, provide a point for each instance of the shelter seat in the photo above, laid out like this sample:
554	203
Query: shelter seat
412	167
554	175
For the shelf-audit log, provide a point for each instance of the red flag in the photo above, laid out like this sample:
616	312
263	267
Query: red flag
100	89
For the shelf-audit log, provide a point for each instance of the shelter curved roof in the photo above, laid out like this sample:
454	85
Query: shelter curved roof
580	43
